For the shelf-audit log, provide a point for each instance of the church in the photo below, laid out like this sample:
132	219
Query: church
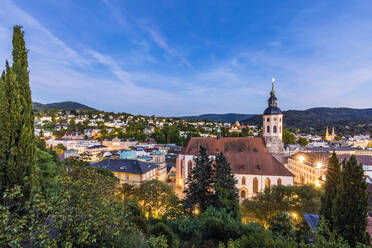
256	162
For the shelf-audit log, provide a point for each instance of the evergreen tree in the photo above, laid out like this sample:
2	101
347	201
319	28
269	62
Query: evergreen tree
199	185
17	149
10	108
226	194
330	189
350	207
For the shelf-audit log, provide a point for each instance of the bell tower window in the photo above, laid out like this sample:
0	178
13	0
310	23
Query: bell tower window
268	129
274	129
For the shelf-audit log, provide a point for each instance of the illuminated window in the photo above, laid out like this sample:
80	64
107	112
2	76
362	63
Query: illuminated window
267	183
243	194
255	185
243	180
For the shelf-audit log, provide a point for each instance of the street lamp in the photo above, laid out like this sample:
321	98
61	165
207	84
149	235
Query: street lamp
319	165
301	158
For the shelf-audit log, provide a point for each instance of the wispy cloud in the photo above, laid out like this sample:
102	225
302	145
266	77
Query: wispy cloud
160	41
156	37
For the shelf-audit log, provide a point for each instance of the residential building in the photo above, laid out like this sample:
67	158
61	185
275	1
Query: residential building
130	171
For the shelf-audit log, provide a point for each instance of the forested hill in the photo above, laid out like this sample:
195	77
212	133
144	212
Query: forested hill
230	117
67	105
318	118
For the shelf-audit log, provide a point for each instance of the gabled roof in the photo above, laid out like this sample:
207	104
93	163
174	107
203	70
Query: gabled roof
125	165
246	155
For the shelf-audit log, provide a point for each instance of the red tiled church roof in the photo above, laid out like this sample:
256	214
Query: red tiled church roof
246	155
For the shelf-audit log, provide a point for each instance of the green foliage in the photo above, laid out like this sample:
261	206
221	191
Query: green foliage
302	141
350	207
330	189
281	224
87	211
17	141
161	229
156	242
199	190
21	225
169	134
279	199
49	170
226	193
158	199
288	137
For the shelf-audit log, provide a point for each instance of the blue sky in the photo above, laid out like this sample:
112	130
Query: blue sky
175	58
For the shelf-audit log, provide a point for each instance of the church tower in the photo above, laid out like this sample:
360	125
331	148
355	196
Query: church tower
273	126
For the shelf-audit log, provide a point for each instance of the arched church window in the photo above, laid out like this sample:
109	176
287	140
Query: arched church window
268	119
275	129
189	167
279	181
268	129
255	185
243	180
243	194
267	183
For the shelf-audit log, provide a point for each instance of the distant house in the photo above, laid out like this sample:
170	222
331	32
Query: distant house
130	171
71	153
148	130
73	135
119	144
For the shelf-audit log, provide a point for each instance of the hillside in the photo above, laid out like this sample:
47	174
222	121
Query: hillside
230	117
67	105
318	118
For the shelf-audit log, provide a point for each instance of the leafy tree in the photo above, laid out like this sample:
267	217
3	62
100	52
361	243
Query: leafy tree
199	185
156	242
282	225
350	206
24	225
161	229
49	170
279	199
302	141
288	137
226	193
330	189
157	199
128	190
87	212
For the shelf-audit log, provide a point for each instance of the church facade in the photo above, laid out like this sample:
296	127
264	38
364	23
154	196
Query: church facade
256	162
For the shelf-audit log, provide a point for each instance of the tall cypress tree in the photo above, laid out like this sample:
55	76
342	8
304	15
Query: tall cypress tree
330	189
226	194
199	186
350	207
10	109
17	141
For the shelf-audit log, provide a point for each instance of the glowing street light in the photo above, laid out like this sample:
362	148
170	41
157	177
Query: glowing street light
319	165
301	158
